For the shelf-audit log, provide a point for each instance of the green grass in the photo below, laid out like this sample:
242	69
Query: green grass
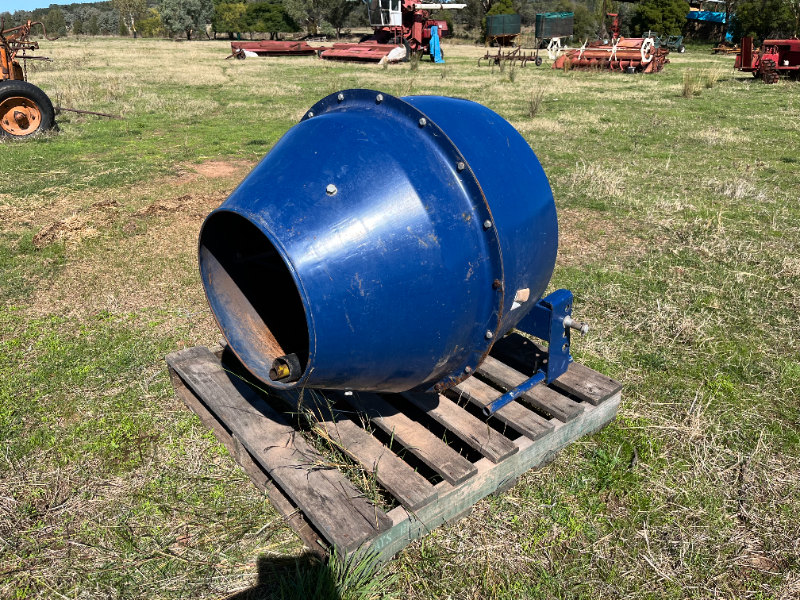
680	237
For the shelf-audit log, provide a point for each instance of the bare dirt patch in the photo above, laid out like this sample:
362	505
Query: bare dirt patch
66	218
165	207
152	268
214	169
78	226
589	237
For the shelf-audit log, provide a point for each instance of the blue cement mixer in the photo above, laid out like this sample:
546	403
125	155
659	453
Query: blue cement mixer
384	244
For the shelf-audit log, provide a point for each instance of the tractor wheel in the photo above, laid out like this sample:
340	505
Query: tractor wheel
24	110
407	46
538	61
681	49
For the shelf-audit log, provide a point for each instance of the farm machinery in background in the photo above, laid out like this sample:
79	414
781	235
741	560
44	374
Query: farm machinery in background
400	28
24	108
673	43
626	55
242	50
549	31
775	59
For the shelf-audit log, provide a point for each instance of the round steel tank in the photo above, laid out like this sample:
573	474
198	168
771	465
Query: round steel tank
383	244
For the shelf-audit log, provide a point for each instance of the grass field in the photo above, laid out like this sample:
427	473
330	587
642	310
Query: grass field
680	237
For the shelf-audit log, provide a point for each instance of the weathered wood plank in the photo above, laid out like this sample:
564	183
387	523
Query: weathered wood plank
290	513
514	415
587	384
580	381
440	457
554	404
326	498
493	445
410	488
454	500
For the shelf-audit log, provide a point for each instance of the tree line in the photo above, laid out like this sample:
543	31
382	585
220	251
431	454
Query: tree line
195	18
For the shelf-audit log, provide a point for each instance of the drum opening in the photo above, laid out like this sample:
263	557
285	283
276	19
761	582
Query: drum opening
252	294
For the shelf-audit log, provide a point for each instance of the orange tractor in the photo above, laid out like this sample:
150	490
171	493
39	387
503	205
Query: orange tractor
24	108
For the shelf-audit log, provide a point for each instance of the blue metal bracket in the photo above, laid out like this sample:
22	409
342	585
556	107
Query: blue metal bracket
550	320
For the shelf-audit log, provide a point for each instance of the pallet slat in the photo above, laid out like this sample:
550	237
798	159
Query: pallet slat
440	457
327	499
410	488
291	514
542	397
493	445
453	501
588	385
514	415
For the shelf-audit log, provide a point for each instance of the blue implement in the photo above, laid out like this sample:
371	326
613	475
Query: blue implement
550	320
382	245
512	395
436	49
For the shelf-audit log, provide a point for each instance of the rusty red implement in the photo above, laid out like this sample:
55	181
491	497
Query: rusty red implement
776	59
631	55
25	110
366	52
273	48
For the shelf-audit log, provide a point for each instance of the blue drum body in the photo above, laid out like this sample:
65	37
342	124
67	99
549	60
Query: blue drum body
383	241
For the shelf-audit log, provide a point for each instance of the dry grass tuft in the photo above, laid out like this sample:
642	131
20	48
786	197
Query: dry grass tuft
740	188
535	102
595	180
694	80
413	63
712	76
692	83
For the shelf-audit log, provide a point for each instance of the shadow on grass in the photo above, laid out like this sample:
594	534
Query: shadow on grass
287	578
309	578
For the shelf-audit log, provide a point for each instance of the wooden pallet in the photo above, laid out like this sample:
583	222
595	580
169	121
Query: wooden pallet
435	454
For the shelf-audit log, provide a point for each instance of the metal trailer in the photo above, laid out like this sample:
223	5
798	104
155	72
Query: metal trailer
549	31
776	59
503	30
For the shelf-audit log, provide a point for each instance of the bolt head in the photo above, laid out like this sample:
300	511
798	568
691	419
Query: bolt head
379	98
340	97
461	166
489	335
310	114
487	224
423	121
331	189
467	370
